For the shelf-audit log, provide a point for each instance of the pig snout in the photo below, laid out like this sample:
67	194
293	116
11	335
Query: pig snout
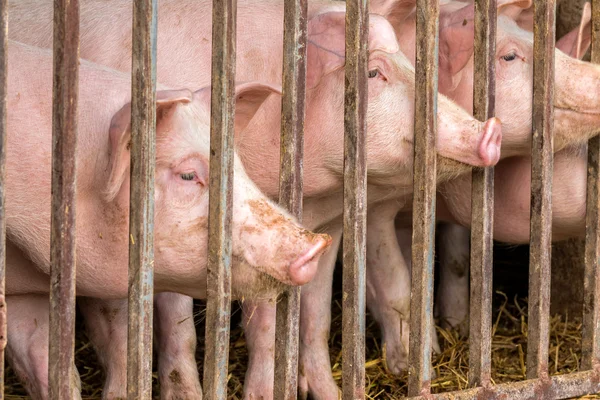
489	147
272	242
304	269
464	139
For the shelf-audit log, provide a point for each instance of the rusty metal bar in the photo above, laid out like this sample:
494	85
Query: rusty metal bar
482	200
3	135
62	234
218	306
424	176
355	199
541	189
554	388
590	346
290	187
141	210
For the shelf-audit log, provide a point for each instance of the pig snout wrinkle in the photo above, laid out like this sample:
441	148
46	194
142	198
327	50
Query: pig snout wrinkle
304	269
489	148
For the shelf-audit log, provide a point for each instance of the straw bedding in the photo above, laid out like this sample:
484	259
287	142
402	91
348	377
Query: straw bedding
509	345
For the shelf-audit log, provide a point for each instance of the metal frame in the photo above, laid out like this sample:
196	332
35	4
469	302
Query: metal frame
65	90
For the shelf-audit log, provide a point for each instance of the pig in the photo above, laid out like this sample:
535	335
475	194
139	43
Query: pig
270	249
389	298
105	38
453	294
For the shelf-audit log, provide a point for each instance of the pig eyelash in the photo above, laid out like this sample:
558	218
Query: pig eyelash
376	73
188	176
510	56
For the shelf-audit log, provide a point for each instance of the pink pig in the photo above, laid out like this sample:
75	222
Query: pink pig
270	248
106	39
576	118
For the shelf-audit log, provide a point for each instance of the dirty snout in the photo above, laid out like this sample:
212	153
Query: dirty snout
465	139
271	241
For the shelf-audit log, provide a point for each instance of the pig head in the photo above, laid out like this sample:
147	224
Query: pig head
269	246
577	109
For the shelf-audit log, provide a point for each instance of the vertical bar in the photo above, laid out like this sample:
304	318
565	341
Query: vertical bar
590	345
355	197
218	307
482	200
423	237
3	134
62	234
541	189
141	211
290	187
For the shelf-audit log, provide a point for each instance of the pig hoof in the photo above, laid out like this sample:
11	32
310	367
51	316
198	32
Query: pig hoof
255	390
312	385
180	387
394	362
460	324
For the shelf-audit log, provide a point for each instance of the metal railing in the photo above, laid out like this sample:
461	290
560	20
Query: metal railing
62	316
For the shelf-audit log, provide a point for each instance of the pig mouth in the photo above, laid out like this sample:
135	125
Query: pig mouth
576	111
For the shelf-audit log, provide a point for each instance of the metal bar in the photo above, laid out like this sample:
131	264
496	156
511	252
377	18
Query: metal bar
482	200
355	198
554	388
3	134
141	210
590	345
290	187
424	176
218	307
541	189
62	234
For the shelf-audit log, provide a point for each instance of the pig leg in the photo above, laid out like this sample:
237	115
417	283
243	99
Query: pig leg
27	350
314	365
176	340
388	284
259	328
28	326
452	300
314	368
106	322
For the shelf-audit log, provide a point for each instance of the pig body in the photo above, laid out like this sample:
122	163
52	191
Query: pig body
266	240
574	124
105	38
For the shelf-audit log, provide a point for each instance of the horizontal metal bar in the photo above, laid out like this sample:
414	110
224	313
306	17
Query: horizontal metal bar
355	195
290	187
541	189
590	345
423	236
62	235
482	200
141	210
218	305
554	388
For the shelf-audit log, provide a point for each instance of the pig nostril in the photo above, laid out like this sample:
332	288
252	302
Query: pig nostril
304	268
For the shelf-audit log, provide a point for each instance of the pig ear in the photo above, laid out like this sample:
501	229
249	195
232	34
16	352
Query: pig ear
394	11
577	42
120	135
248	99
513	8
456	39
326	43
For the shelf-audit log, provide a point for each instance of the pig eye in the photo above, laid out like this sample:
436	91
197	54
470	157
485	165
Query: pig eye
509	57
188	177
373	73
